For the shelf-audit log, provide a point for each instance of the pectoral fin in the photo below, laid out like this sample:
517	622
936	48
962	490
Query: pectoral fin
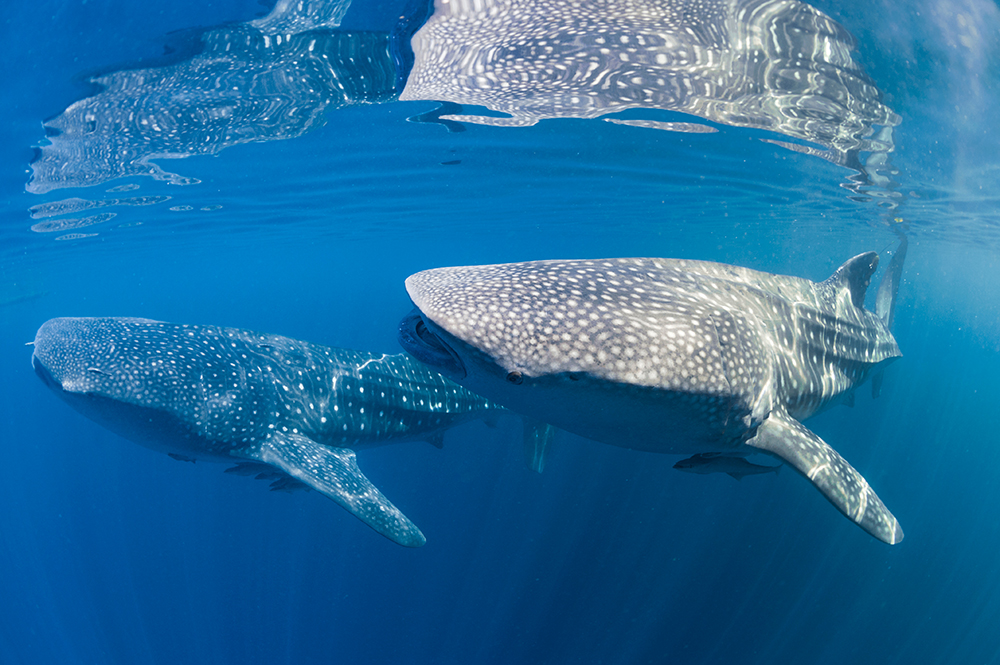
787	439
334	472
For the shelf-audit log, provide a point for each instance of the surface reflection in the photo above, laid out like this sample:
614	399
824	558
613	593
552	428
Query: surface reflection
250	82
771	64
776	65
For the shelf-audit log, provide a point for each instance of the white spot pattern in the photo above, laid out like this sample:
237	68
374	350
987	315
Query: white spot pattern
223	389
703	351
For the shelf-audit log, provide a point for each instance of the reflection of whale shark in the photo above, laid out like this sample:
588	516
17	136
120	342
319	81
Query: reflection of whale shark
666	355
290	17
779	65
244	86
204	392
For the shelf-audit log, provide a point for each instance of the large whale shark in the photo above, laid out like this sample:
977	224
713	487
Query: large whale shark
664	355
223	394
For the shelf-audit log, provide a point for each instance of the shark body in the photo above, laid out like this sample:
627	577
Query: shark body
288	410
671	356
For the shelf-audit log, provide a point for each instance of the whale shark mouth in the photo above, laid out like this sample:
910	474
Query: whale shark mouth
419	341
44	374
61	386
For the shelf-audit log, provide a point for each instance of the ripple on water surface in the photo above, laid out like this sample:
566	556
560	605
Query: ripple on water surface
70	206
74	223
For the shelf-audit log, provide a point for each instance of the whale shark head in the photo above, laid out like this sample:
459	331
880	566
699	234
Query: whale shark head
529	320
573	342
86	357
151	382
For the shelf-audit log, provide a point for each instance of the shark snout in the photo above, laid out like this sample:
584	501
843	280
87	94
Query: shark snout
50	350
57	340
468	308
69	353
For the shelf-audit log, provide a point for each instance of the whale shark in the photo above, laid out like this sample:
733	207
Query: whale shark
666	355
282	409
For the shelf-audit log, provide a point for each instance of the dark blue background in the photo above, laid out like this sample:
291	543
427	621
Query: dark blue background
110	553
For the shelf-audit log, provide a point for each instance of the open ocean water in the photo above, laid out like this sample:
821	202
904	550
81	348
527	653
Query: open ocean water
284	169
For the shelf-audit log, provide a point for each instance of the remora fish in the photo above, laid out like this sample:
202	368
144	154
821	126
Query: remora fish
211	393
665	355
736	467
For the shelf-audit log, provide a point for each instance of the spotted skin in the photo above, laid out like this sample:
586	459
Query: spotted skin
211	393
670	356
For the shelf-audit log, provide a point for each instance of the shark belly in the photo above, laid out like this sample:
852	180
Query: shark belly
640	418
156	429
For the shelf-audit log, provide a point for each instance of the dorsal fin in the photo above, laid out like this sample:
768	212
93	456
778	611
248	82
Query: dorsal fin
855	276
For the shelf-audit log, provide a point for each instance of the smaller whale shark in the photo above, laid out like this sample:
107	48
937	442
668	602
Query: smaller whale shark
284	410
667	355
734	466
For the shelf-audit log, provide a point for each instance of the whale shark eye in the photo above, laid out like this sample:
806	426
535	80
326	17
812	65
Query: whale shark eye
515	377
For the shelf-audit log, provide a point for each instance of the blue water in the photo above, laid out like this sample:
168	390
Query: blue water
111	553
